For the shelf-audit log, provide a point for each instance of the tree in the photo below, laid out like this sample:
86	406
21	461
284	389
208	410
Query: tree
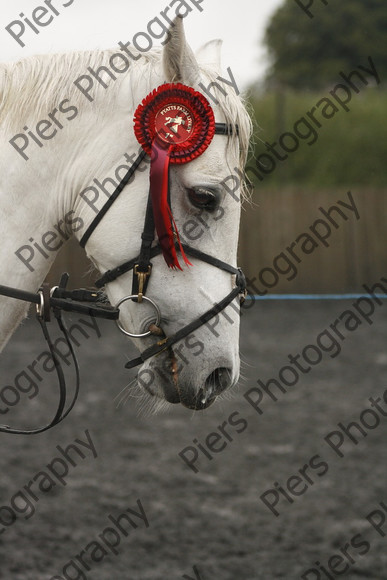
308	53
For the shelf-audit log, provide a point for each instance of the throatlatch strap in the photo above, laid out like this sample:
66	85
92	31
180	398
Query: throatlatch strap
111	199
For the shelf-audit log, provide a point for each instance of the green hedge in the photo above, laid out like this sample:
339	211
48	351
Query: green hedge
350	150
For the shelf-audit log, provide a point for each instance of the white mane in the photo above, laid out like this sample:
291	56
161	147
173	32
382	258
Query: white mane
36	84
32	87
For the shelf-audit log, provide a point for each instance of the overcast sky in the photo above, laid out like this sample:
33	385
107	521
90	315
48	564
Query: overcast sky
89	24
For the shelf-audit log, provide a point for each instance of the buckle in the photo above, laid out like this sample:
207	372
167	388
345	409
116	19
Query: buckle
43	309
241	283
142	281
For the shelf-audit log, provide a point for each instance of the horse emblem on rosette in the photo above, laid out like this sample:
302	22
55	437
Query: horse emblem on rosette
174	285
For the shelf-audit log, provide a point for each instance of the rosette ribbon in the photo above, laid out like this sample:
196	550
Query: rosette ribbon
173	124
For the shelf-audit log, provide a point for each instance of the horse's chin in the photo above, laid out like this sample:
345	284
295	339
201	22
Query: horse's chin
160	400
194	401
198	405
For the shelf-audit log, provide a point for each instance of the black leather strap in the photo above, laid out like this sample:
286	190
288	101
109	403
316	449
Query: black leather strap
220	129
115	273
61	299
183	332
147	237
97	310
143	267
195	253
61	413
111	199
224	129
111	275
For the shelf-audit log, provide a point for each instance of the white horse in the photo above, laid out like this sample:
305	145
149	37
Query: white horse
71	141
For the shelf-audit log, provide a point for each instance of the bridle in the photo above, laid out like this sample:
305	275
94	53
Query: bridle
142	269
58	298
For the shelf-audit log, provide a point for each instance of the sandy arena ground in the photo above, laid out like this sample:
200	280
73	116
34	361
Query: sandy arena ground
213	520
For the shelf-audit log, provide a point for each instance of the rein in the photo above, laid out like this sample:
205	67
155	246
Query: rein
92	303
58	299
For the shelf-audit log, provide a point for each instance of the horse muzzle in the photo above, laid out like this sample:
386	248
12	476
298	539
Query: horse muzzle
176	381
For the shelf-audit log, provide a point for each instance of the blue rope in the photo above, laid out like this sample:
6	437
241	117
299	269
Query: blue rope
312	296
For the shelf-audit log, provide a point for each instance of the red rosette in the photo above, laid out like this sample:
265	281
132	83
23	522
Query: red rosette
176	115
173	124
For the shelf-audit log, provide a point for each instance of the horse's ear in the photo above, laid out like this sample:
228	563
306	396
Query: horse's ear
179	61
210	54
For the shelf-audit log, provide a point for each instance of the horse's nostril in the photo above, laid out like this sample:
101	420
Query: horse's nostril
218	381
215	384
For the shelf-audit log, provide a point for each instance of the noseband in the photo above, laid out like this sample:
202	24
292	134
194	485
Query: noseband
142	268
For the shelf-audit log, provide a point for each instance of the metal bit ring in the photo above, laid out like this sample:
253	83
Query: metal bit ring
157	321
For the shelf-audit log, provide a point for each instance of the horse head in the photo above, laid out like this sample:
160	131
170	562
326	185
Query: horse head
205	200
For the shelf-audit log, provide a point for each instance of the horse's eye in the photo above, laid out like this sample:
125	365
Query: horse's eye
203	198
